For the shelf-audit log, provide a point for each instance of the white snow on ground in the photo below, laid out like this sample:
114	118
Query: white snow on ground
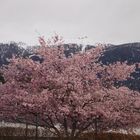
8	124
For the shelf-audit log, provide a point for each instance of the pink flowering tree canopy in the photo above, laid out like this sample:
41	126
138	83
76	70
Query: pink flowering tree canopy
69	94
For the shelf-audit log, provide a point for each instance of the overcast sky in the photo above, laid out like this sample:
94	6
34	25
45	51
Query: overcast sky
105	21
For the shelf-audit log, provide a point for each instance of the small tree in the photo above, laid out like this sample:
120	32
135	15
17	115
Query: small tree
70	94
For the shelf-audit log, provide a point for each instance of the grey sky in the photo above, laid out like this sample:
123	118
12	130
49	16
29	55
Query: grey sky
105	21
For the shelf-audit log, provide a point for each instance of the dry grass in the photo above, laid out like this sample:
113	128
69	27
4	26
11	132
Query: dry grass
111	136
9	133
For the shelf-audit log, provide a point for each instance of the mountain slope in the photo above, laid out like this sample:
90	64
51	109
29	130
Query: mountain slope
8	50
125	52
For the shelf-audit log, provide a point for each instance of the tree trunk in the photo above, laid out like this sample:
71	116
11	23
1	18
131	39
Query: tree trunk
96	129
36	130
26	131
